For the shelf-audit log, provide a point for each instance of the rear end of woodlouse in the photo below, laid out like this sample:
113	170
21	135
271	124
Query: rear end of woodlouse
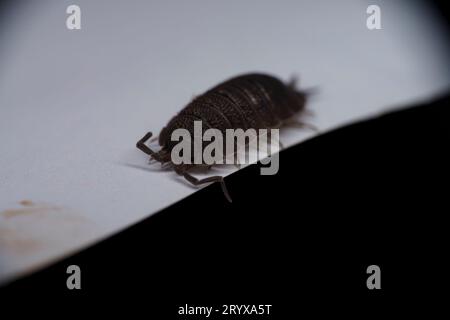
250	101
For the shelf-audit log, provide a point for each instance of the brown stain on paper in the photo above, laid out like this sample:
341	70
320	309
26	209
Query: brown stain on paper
11	241
27	203
29	208
15	234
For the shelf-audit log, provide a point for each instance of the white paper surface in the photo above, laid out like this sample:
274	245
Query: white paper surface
74	103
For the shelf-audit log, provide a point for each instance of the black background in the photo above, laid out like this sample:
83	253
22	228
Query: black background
371	193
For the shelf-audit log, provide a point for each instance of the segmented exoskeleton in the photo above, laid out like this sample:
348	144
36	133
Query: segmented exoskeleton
256	101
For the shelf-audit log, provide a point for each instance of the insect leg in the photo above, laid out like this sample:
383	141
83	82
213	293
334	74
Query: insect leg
141	145
301	125
153	139
197	182
293	81
237	163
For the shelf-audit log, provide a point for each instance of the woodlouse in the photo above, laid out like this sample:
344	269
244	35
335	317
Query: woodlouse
257	101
